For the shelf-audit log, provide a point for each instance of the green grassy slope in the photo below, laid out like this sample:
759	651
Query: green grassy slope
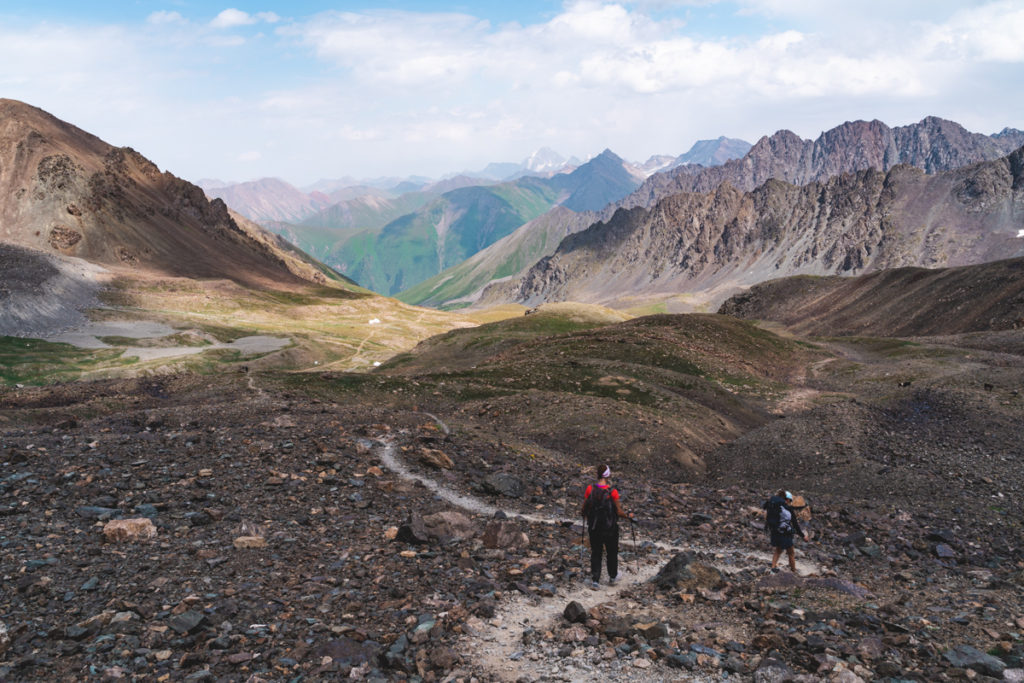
504	258
443	233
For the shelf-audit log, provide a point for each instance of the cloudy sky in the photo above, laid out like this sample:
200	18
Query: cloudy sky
310	89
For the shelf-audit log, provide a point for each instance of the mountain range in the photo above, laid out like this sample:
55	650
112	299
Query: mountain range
703	227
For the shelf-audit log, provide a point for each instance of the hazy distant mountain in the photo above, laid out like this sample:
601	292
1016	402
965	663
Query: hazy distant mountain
657	163
544	162
269	199
64	191
385	184
851	223
714	152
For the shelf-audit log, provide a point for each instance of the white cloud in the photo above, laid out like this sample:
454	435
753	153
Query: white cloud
231	18
993	32
165	17
596	45
385	91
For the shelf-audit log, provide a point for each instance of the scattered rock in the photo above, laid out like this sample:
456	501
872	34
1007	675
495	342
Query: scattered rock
503	484
968	657
436	459
575	613
129	530
504	535
187	622
244	542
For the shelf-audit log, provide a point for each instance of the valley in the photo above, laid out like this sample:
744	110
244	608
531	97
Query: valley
222	459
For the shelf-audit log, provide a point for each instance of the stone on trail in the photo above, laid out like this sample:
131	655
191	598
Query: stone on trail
129	530
244	542
5	638
575	613
944	552
436	459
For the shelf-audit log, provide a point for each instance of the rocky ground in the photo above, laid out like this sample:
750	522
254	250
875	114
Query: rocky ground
274	542
43	294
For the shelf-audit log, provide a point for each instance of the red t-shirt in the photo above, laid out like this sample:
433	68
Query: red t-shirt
614	493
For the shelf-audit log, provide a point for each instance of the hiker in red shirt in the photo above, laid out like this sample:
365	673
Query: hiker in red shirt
601	512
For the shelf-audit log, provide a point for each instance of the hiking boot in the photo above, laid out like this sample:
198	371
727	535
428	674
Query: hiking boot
593	585
775	570
612	581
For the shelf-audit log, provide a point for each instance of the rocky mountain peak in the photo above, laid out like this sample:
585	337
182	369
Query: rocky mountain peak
65	191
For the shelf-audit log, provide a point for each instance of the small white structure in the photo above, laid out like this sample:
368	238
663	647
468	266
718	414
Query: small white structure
375	321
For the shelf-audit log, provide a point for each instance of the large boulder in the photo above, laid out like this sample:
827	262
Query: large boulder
503	484
445	526
684	573
449	526
504	534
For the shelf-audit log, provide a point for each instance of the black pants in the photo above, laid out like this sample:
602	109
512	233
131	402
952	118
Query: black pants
604	540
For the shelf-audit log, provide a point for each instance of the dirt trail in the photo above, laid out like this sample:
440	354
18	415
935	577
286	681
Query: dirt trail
496	645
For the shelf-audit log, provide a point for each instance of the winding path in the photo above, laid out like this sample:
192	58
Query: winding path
496	645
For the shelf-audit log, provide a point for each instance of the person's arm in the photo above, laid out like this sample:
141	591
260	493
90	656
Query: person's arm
796	525
619	510
583	508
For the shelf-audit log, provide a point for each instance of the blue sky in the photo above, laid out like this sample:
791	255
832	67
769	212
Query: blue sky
319	89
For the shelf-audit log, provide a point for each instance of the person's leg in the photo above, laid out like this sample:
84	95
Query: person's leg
612	543
596	545
775	557
792	559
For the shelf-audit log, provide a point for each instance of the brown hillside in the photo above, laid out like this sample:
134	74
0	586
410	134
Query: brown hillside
63	190
901	302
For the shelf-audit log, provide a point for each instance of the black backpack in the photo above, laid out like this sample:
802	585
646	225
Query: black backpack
600	509
779	519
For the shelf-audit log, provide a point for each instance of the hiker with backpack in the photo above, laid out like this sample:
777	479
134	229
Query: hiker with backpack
601	512
781	523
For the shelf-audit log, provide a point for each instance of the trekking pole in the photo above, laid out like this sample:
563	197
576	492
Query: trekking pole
636	550
583	531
